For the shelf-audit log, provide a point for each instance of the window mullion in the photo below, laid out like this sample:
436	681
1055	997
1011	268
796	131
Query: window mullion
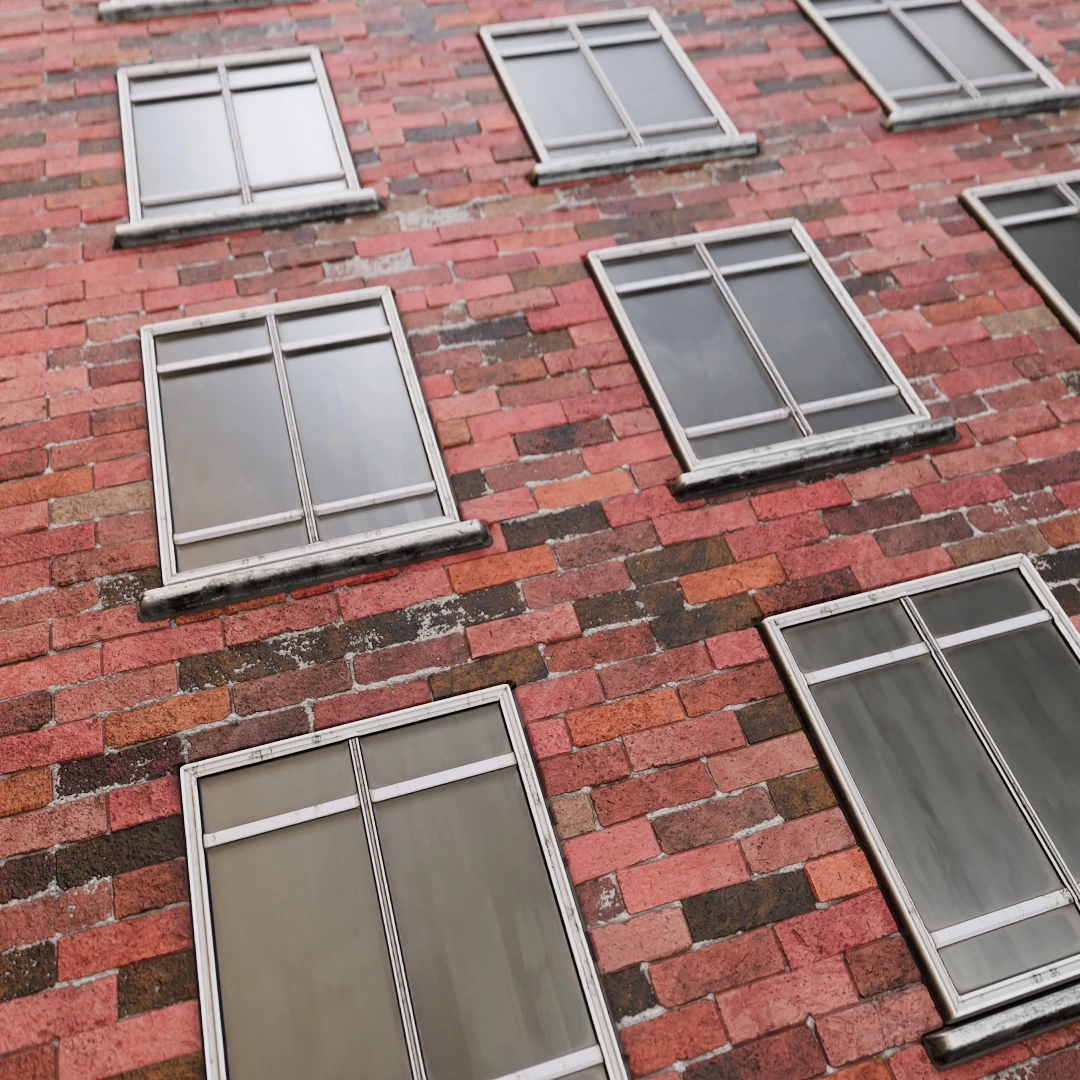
931	47
234	133
996	757
293	430
1074	199
755	342
605	84
386	908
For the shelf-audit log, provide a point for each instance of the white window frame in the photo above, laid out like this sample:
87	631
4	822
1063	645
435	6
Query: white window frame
997	227
151	230
226	583
1013	1012
521	759
727	141
812	453
903	111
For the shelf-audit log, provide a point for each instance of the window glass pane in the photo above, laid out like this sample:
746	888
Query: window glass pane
608	30
1026	687
701	356
965	41
1025	202
306	989
183	147
531	41
957	838
175	84
730	252
975	603
653	266
649	83
310	326
809	337
217	342
1054	247
301	191
241	78
847	416
561	95
729	442
493	982
384	516
431	746
194	206
358	432
851	636
226	445
244	545
285	134
894	58
276	787
1012	950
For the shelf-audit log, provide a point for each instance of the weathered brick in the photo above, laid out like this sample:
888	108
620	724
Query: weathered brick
156	983
677	876
643	937
874	1026
628	992
748	904
796	841
789	1055
610	849
821	934
602	722
684	740
642	794
842	874
802	794
678	1035
708	822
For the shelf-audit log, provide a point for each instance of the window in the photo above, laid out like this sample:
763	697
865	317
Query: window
608	93
936	62
1037	222
153	9
385	900
759	363
290	444
946	709
236	142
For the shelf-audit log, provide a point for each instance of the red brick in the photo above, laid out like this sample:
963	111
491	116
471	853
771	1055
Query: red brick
843	874
63	1013
584	768
121	943
764	761
777	536
150	887
60	669
643	794
29	790
48	916
683	741
574	584
749	683
736	648
677	876
145	802
277	619
52	825
628	451
875	575
913	1064
516	421
364	703
782	1000
644	937
601	852
648	672
978	459
708	521
599	648
676	1036
603	722
174	643
401	591
553	696
52	745
831	555
890	479
820	934
819	496
504	635
879	1025
500	569
715	968
38	1063
796	841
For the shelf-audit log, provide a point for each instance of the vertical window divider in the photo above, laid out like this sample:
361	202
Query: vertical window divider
386	910
902	17
234	132
293	430
605	84
1074	199
755	342
995	755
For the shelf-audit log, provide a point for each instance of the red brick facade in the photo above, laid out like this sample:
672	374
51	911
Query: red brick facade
724	896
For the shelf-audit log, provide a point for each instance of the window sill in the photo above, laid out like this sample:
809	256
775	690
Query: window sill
1044	99
972	1038
266	216
614	162
115	10
797	459
219	590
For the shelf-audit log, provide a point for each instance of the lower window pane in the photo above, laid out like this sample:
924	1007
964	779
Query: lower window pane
650	85
1025	202
493	982
300	191
194	206
1054	247
224	549
849	416
384	516
729	442
306	988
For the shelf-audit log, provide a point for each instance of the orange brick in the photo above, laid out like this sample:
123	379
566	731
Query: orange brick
678	1035
602	722
729	580
25	791
167	717
843	874
500	569
589	489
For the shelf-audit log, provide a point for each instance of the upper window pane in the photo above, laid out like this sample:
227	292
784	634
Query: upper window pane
948	710
599	93
283	430
741	381
937	62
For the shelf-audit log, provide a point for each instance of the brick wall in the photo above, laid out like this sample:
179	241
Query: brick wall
726	900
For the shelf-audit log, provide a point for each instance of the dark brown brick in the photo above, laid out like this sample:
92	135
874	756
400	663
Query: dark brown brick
882	965
600	900
117	852
20	878
748	904
1025	540
919	535
516	668
679	559
120	768
1024	478
708	620
155	983
712	821
531	531
27	971
628	992
245	733
565	437
127	588
189	1067
766	719
871	515
813	590
791	1055
797	796
26	713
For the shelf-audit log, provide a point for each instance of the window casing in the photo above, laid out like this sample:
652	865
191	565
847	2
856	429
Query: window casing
749	389
154	9
1037	221
608	93
945	709
290	443
233	142
936	61
386	899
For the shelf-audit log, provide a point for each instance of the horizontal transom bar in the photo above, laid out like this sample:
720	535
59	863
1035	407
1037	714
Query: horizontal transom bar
235	528
556	1068
377	499
280	821
995	920
445	776
736	423
867	663
989	630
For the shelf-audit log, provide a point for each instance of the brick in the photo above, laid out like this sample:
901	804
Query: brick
628	993
144	650
789	1055
122	943
156	983
63	1013
595	488
820	934
768	719
573	815
403	590
149	887
603	722
677	876
40	829
47	916
499	569
843	874
708	620
27	713
38	1063
882	965
879	1025
60	669
599	648
682	741
516	668
584	768
782	1000
62	742
553	696
167	717
502	635
729	580
740	768
780	535
749	683
324	680
118	692
27	971
649	672
643	794
796	841
802	794
676	1036
678	559
715	968
644	937
24	791
736	648
610	849
707	522
119	852
144	802
819	496
709	822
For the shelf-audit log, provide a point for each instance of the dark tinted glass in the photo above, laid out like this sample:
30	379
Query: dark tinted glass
1054	247
244	545
839	638
965	41
1025	202
366	519
650	85
248	76
616	29
195	345
896	60
653	266
847	416
312	325
729	442
532	41
976	603
730	252
806	332
701	357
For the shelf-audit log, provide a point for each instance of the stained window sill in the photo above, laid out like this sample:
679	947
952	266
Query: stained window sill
1044	99
969	1039
114	10
158	230
614	162
264	579
798	459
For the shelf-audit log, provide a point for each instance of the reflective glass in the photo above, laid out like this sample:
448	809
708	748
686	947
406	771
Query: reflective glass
383	516
893	56
506	42
965	41
853	635
730	442
753	249
615	29
183	147
194	206
241	78
196	344
976	603
207	81
306	988
1025	202
849	416
244	545
332	322
649	84
653	266
1054	247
